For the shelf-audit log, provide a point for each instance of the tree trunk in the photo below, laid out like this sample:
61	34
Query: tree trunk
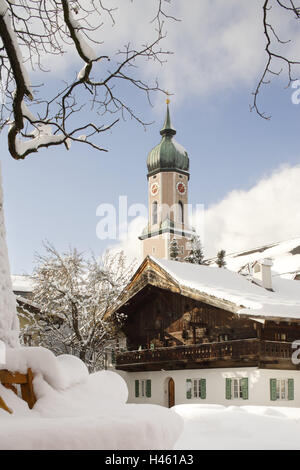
9	323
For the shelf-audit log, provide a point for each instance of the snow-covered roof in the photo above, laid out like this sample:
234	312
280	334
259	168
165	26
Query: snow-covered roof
248	297
285	256
22	283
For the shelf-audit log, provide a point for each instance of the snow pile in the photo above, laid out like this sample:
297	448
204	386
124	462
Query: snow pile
89	411
9	324
216	427
244	296
59	372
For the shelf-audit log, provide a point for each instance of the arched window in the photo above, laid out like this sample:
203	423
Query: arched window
154	213
180	213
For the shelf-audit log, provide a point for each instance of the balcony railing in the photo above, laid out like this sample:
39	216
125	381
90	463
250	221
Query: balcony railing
244	349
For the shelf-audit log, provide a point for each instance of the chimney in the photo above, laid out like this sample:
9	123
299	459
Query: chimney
262	272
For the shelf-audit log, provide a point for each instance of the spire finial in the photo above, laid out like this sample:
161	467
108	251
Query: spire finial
168	129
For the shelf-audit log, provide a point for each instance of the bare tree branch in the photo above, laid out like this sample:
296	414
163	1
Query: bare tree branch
272	55
30	31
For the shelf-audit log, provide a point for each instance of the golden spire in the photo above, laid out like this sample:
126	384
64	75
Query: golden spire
168	99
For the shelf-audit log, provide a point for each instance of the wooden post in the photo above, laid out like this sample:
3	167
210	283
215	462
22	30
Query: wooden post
4	406
27	390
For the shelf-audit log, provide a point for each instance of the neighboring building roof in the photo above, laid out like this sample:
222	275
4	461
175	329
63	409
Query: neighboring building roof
22	283
222	288
285	256
224	284
168	155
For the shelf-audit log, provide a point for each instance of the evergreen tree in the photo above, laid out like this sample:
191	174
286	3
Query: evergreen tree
195	255
174	250
221	259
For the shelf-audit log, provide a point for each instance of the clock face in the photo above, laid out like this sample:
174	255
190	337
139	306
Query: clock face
154	189
181	188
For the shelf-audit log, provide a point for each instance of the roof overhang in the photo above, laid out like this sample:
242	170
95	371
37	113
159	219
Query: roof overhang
151	273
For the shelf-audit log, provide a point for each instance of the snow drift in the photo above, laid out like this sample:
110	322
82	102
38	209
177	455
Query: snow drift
90	411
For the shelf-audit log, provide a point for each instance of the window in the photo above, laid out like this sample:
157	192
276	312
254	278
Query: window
154	213
223	338
153	250
143	388
180	215
281	389
280	337
195	388
237	388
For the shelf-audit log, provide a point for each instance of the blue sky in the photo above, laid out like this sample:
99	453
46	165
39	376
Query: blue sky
54	194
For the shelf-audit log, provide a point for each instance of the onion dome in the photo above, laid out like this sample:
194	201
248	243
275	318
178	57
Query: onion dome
168	155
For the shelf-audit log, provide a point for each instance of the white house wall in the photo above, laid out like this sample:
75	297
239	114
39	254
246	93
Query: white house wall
258	386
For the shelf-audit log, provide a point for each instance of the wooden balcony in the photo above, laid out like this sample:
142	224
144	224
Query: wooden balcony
247	352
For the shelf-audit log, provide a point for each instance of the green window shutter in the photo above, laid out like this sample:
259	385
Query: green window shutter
188	389
244	386
273	393
113	356
148	388
290	389
137	388
203	388
228	389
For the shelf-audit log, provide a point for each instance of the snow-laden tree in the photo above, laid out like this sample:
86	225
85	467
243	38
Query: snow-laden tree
174	249
39	116
195	255
221	263
74	294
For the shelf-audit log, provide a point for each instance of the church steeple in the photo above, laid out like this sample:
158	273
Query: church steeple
168	155
167	129
168	177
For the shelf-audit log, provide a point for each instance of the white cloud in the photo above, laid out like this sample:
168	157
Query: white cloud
217	46
129	242
266	213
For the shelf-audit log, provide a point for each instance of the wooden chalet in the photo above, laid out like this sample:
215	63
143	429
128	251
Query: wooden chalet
173	325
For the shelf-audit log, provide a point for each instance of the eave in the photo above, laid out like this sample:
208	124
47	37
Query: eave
155	275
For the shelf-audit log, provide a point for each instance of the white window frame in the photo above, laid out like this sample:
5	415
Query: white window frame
282	389
196	388
236	388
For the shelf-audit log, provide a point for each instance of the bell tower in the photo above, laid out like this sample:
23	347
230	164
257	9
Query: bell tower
168	178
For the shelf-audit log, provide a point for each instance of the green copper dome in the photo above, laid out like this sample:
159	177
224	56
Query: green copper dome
168	155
